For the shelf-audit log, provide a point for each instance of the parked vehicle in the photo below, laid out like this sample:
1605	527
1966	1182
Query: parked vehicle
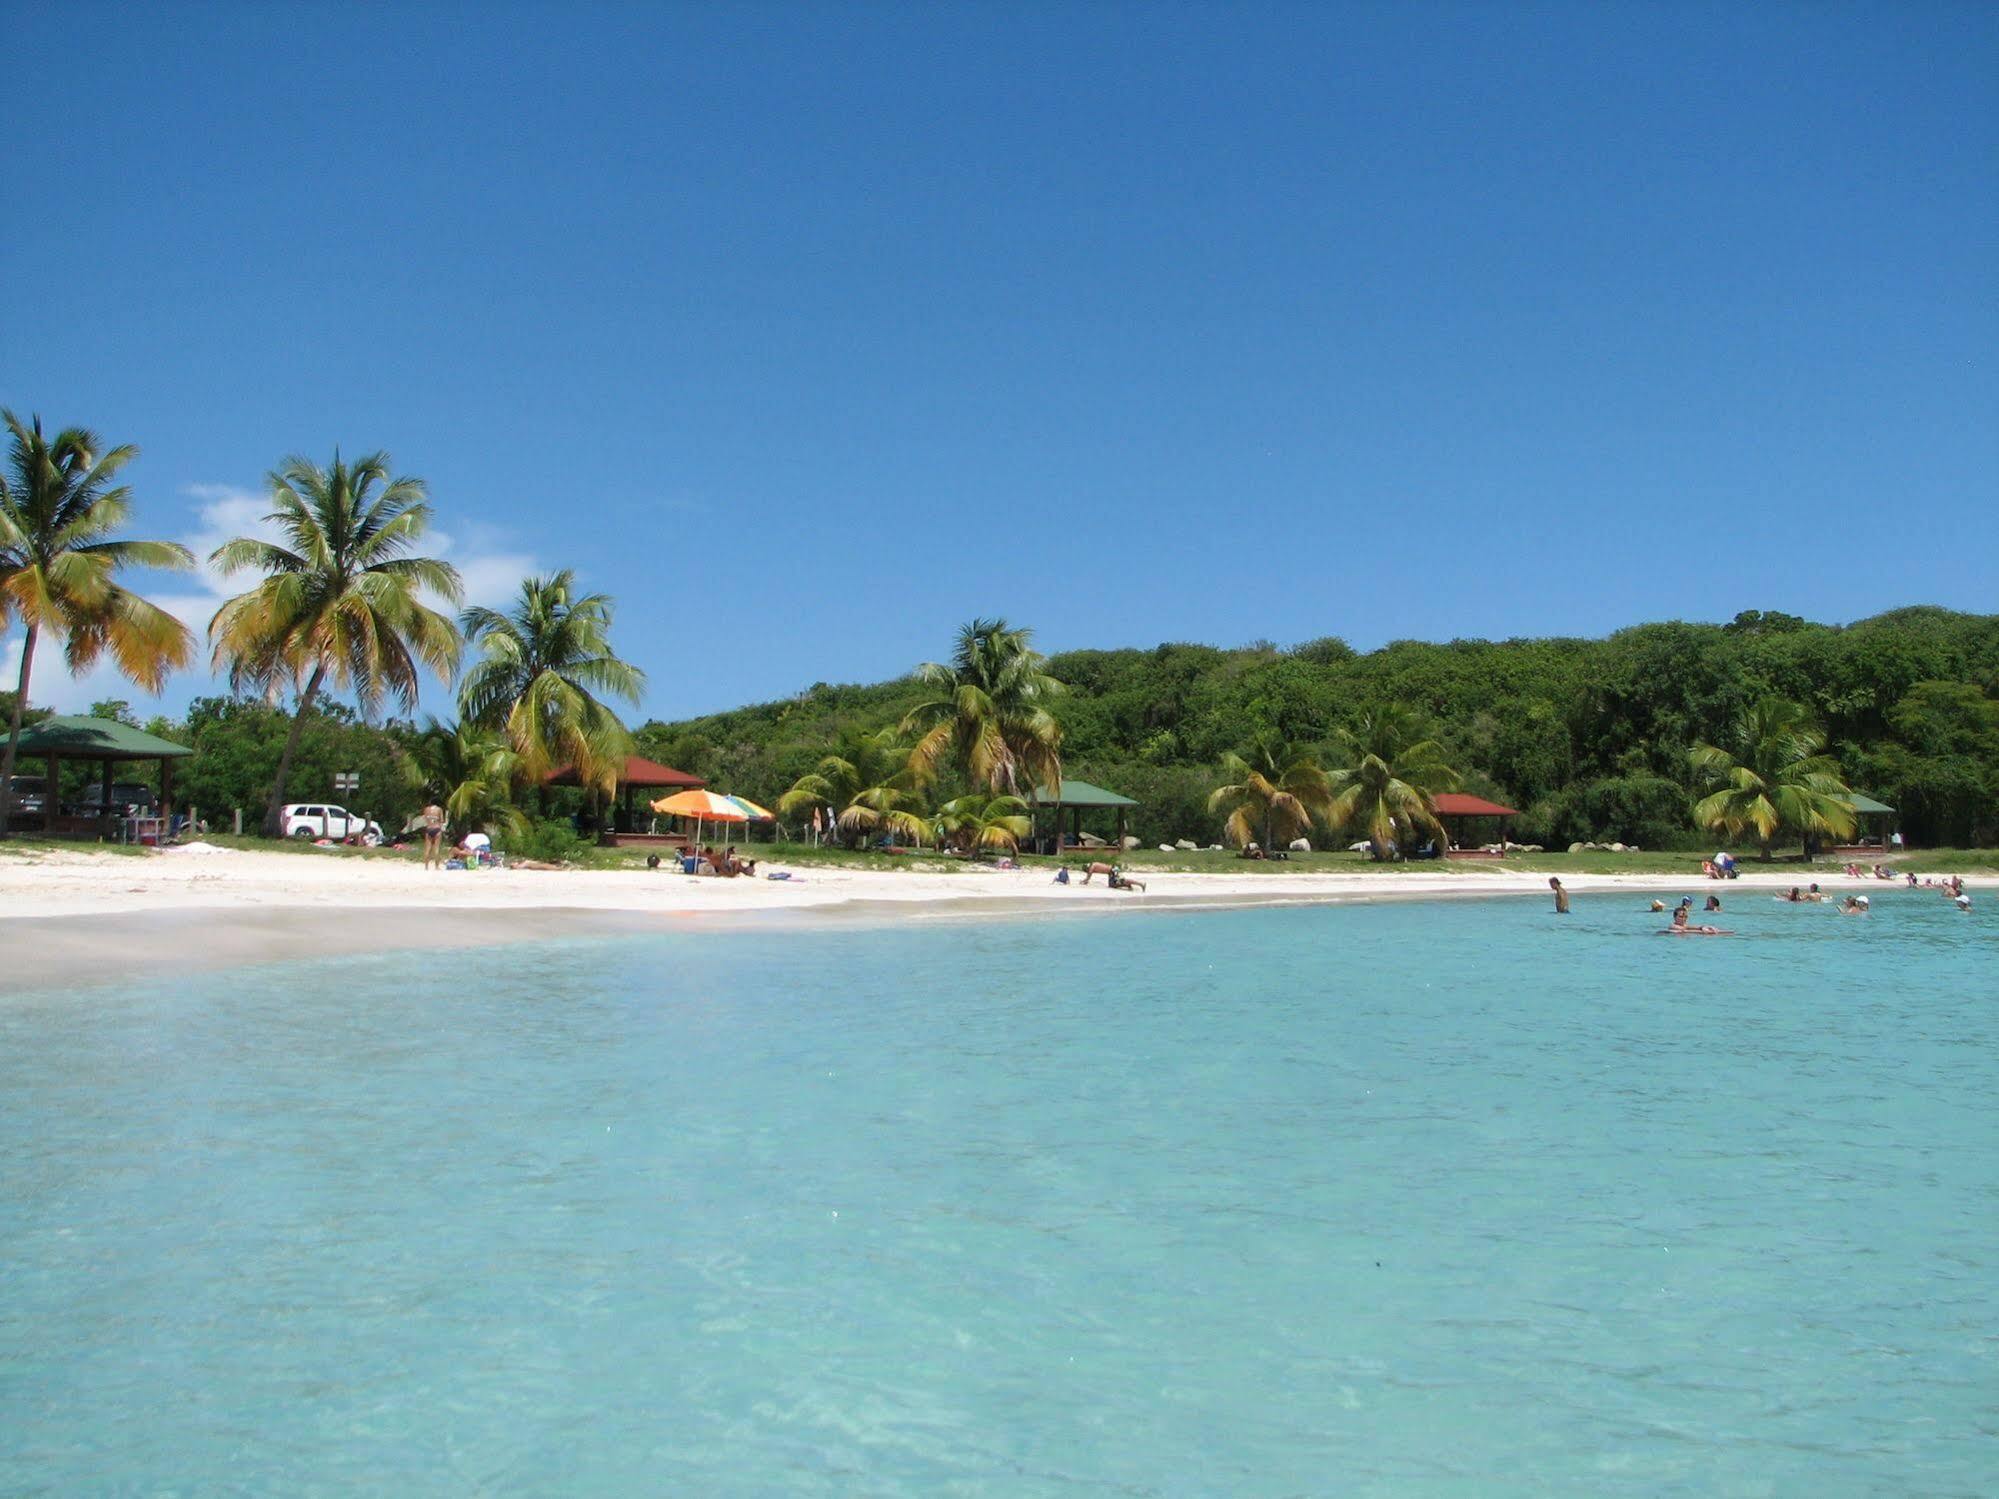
322	820
128	799
29	795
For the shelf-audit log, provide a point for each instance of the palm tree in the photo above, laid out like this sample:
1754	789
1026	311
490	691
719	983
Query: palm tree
1388	787
1774	776
889	808
979	821
469	772
1274	786
340	598
871	771
992	717
57	560
544	669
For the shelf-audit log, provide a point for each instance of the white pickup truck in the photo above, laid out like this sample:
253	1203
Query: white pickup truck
319	820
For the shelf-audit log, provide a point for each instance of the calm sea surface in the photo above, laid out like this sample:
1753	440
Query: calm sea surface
1442	1199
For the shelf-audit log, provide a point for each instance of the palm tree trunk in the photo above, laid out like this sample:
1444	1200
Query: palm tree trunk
14	738
274	813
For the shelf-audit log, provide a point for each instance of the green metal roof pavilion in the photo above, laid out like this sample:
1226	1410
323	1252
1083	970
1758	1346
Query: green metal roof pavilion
1076	793
1079	797
1867	804
105	741
96	739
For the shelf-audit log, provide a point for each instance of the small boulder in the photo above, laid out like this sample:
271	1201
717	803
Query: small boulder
1301	845
1128	842
1166	848
1576	848
1617	848
1186	845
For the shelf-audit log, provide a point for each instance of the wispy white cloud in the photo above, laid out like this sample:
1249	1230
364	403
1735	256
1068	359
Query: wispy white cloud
491	567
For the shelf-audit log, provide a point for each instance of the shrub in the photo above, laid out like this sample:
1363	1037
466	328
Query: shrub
552	840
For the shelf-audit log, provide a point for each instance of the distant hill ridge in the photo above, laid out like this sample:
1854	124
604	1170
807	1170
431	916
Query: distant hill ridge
1590	735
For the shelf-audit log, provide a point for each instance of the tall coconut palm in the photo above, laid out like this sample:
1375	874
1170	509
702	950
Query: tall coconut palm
469	771
58	558
979	820
992	716
341	597
1772	777
1387	788
545	667
1275	788
866	770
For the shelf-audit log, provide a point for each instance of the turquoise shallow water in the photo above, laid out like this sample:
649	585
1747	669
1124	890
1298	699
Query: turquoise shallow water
1444	1199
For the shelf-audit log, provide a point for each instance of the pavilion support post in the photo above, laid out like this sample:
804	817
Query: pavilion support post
52	795
105	819
166	797
1120	831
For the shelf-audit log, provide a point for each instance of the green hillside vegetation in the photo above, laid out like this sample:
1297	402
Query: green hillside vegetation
1590	739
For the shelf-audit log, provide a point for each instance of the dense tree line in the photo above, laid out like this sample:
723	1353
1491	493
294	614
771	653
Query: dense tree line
1591	739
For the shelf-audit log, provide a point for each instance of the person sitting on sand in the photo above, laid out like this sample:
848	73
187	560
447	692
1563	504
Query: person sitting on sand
1120	882
1561	895
736	865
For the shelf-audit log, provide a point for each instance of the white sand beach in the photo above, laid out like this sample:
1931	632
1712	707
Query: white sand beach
81	913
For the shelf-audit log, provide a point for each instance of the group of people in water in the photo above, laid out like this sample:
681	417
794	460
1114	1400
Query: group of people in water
1682	923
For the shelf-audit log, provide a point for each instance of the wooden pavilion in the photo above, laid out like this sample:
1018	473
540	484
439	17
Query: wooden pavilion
635	775
1076	798
103	742
1457	809
1878	818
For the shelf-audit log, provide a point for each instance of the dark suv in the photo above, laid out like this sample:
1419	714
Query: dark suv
29	795
128	799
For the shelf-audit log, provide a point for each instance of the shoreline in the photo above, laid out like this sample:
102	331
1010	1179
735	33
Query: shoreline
71	917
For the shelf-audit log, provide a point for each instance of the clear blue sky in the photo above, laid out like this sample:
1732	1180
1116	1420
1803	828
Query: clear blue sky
811	332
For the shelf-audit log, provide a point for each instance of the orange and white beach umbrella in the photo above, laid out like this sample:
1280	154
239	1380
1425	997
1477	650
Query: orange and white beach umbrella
702	806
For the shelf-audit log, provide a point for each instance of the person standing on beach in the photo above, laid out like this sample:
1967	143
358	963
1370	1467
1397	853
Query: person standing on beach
1561	895
433	836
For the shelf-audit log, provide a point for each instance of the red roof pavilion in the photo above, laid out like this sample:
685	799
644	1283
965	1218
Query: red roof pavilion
636	771
1455	807
1459	804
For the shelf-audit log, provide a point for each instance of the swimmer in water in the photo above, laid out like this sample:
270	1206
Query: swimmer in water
1561	896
